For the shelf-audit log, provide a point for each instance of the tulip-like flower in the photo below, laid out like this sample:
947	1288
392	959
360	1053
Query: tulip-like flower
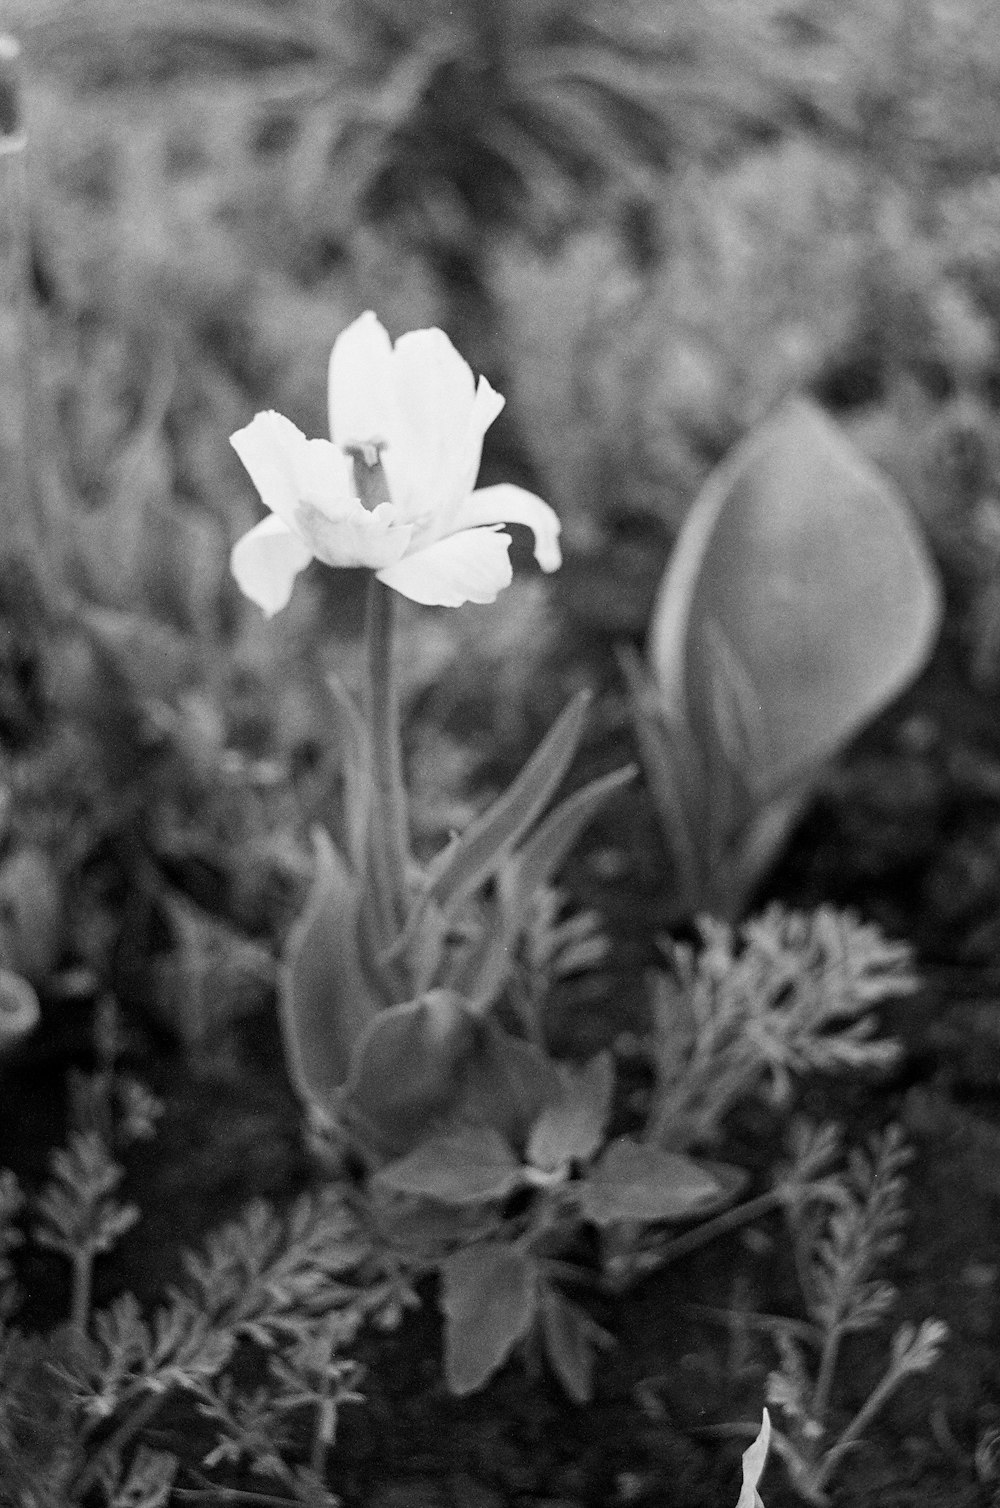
393	489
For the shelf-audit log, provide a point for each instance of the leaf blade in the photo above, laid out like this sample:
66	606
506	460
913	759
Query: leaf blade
488	1297
641	1182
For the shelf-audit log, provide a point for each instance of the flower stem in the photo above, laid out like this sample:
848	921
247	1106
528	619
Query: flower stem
83	1271
873	1404
389	855
132	1425
729	1220
827	1370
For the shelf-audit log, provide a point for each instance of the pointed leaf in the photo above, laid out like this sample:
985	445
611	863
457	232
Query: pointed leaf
800	599
407	1072
488	1296
571	1128
460	870
468	1165
481	973
541	855
506	1082
571	1339
639	1181
485	969
675	777
325	1000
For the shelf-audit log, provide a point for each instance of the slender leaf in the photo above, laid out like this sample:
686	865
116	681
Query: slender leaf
488	1296
541	855
475	856
483	973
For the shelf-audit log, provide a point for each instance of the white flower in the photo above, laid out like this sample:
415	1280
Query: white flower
415	408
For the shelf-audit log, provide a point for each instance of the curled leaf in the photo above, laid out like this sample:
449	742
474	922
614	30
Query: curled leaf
407	1072
799	600
325	999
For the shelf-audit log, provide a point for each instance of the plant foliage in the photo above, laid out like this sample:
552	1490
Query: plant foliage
799	600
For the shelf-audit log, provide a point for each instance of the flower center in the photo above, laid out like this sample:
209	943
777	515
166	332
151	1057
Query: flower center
369	478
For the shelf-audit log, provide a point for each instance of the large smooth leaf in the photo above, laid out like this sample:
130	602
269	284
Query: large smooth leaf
488	1296
799	600
469	1164
325	1000
641	1182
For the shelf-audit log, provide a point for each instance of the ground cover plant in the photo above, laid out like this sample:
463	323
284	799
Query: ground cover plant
509	997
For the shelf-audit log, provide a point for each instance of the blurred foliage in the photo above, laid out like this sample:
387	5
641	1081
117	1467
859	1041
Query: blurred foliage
648	221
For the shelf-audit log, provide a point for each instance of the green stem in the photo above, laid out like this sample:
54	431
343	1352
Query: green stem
729	1220
857	1426
219	1494
112	1447
390	855
83	1275
824	1381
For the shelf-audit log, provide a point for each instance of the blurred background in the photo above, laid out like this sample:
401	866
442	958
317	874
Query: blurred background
645	220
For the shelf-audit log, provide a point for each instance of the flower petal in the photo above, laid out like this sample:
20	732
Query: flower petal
487	405
507	504
356	537
273	450
359	390
471	566
266	562
324	478
754	1461
427	458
